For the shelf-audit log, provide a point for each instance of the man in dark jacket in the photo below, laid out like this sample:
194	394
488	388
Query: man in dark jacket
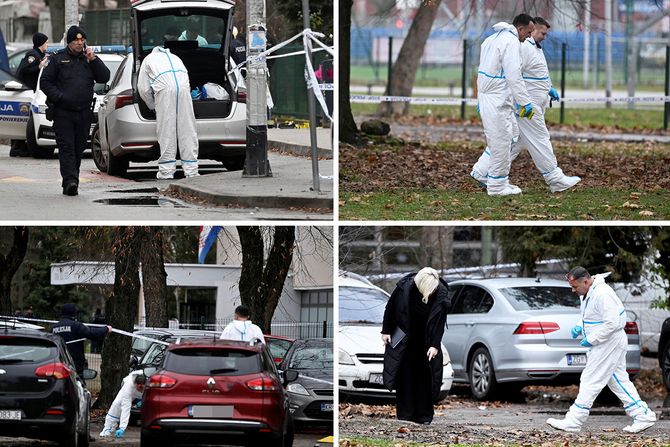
71	329
33	61
68	82
413	367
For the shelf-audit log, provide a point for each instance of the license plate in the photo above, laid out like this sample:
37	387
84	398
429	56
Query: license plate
576	359
377	379
10	415
327	407
211	411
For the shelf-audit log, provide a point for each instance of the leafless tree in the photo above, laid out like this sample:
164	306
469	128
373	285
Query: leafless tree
154	277
9	264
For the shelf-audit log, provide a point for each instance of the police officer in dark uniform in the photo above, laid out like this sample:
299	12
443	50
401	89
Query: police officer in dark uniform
238	47
29	68
71	329
68	82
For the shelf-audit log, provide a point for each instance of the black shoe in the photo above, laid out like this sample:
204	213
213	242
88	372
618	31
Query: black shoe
18	153
71	189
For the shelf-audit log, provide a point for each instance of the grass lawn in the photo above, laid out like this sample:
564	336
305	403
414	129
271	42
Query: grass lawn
373	442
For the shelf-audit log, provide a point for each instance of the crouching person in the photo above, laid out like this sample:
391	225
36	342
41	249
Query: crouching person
119	413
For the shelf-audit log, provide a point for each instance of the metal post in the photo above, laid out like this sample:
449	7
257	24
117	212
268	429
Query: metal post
608	51
563	51
389	66
325	329
311	104
256	163
587	41
464	83
666	115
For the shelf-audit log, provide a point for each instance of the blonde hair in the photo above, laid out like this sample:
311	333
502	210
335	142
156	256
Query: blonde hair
426	281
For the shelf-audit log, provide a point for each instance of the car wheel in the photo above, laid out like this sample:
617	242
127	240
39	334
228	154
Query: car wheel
85	435
665	366
117	166
99	156
440	397
70	437
481	374
36	150
234	164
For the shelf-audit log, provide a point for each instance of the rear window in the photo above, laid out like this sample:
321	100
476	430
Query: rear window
533	298
24	350
362	305
202	30
213	362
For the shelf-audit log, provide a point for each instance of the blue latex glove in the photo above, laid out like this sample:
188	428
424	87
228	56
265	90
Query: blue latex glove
585	343
119	433
525	111
553	94
478	112
138	404
576	331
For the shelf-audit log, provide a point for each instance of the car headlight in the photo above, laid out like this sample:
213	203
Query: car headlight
297	389
344	358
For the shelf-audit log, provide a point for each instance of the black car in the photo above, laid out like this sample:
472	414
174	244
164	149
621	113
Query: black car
41	395
311	396
664	352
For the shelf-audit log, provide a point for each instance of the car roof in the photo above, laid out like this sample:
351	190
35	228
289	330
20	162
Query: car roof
173	332
30	333
151	5
502	283
278	337
349	279
216	343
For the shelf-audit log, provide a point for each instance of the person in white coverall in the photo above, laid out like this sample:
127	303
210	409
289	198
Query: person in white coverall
501	93
602	331
533	133
241	328
163	85
132	388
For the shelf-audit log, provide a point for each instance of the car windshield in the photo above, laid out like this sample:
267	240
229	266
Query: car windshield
5	77
362	305
312	357
540	297
204	361
201	30
18	350
278	347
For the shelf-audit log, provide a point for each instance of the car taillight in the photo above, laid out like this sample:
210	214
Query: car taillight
242	97
161	381
123	100
631	328
55	370
262	384
536	327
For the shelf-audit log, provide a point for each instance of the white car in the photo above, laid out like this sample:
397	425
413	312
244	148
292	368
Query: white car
23	113
361	352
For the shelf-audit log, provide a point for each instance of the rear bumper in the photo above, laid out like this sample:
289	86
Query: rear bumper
201	430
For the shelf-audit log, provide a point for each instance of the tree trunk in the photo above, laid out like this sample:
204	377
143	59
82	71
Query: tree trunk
57	10
261	283
404	69
9	265
154	277
348	129
121	310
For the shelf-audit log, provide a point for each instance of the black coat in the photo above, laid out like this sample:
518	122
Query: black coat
68	80
397	314
70	330
29	68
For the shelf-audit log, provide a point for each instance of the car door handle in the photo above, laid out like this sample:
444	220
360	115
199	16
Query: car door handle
470	323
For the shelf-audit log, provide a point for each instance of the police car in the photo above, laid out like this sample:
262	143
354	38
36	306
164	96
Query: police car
23	113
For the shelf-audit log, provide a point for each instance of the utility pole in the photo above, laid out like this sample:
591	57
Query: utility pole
311	103
71	15
608	51
256	163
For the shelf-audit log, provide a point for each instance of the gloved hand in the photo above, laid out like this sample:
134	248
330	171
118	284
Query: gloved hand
525	111
585	343
119	433
576	331
138	404
478	112
553	94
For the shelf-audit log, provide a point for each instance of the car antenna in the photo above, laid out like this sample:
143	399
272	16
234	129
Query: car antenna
537	278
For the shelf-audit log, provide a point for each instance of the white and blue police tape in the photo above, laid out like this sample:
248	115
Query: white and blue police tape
376	99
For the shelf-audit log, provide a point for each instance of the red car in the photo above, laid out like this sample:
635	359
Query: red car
217	391
278	346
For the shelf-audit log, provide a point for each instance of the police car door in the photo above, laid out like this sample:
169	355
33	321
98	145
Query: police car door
14	106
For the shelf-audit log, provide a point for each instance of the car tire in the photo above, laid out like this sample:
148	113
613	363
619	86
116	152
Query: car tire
117	166
36	150
665	366
70	437
234	164
99	156
482	375
440	397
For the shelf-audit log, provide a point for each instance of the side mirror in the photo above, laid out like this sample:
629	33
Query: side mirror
14	86
100	89
149	371
289	376
89	374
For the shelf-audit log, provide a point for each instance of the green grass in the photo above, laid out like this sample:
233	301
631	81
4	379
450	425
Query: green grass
374	442
536	203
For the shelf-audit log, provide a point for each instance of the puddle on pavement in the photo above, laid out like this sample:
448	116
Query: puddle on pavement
137	191
141	201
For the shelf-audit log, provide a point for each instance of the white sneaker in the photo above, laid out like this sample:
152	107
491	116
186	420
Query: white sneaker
507	190
638	426
105	433
480	179
564	424
564	183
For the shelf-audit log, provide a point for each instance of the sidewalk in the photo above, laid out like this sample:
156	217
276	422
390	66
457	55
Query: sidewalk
291	184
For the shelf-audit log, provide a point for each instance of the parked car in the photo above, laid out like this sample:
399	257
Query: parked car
361	352
41	395
140	346
311	395
505	333
664	352
278	346
127	127
210	389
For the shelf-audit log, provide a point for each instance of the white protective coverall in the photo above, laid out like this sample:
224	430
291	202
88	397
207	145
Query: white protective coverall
603	321
164	86
533	133
499	86
119	412
243	330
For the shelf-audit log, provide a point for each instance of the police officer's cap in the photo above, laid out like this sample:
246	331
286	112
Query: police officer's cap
39	39
75	33
68	310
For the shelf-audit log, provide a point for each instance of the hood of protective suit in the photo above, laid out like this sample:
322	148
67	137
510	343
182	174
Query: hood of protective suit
600	278
501	26
242	326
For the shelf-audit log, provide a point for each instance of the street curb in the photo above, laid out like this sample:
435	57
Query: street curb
252	201
300	150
